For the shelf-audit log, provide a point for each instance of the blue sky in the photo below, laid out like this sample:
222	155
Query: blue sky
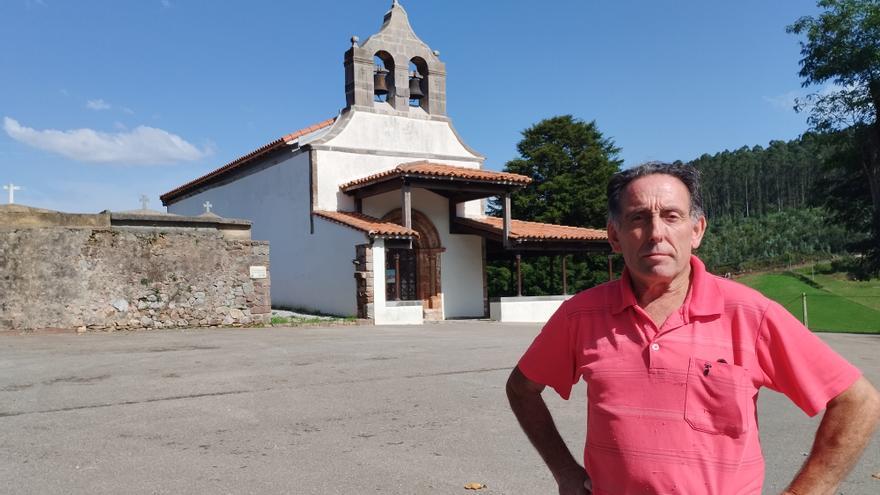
104	100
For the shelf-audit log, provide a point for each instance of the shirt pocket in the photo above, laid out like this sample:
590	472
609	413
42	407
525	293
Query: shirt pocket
716	400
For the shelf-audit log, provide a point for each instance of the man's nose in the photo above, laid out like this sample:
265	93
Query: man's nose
656	228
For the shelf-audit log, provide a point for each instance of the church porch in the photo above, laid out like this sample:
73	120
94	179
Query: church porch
515	240
440	267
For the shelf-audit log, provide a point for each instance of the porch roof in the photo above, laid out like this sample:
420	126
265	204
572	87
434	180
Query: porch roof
372	226
445	179
535	236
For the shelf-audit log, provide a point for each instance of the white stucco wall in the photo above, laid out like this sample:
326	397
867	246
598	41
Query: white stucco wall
336	168
369	143
525	309
375	131
461	265
324	269
276	200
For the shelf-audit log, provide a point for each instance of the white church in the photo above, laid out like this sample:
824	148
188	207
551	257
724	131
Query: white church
379	212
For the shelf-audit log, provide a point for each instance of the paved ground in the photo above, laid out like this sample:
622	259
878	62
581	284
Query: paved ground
392	410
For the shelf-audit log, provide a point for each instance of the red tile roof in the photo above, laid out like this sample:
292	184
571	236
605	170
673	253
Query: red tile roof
535	231
243	160
430	170
365	223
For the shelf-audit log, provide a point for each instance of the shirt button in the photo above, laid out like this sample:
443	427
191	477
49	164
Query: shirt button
655	346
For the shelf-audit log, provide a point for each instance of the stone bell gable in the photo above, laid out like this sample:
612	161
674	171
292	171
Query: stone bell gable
396	50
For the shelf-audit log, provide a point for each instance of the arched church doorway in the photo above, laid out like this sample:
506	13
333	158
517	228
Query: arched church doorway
419	275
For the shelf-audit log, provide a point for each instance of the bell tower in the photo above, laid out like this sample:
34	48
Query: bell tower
395	72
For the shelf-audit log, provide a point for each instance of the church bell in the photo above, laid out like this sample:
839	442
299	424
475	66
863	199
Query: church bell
380	86
415	86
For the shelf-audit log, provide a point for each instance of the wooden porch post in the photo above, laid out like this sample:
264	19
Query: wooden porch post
518	275
397	276
610	269
505	207
406	207
564	275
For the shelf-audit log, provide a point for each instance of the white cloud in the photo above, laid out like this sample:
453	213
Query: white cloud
98	104
142	145
127	110
785	101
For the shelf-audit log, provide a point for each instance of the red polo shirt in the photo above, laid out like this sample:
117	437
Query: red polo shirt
672	409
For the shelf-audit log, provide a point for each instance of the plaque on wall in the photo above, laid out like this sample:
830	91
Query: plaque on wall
259	272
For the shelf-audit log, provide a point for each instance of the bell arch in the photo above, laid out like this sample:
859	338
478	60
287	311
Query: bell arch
383	77
418	80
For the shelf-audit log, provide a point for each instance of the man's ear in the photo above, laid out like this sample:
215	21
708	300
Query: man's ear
612	236
699	231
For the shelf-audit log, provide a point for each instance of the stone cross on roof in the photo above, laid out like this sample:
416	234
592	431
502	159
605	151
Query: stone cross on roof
11	188
207	205
144	200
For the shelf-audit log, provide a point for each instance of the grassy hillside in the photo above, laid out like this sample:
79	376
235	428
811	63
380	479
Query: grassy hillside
834	304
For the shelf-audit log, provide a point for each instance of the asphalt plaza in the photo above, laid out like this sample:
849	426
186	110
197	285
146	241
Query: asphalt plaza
349	409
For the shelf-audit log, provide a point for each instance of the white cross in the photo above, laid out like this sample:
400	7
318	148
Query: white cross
144	200
11	188
207	206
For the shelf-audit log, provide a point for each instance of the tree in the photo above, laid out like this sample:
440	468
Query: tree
570	163
843	46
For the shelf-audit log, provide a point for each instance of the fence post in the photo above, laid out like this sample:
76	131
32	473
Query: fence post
806	319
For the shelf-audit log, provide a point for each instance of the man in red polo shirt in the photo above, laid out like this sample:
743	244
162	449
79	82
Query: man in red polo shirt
673	358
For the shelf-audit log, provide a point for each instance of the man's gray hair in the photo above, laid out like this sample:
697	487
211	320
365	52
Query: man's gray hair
687	174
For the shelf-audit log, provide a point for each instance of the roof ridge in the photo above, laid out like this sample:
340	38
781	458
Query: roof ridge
437	171
525	229
243	159
366	223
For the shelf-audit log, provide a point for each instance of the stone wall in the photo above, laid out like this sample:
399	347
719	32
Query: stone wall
128	278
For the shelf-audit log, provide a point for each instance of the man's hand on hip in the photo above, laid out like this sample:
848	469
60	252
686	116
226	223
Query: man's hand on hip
575	482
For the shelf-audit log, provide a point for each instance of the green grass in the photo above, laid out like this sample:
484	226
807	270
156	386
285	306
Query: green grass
294	321
840	305
864	293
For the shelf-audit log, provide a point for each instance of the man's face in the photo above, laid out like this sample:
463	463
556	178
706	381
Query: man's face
655	232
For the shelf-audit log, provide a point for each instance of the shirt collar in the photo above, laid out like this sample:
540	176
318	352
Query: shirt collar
704	297
626	297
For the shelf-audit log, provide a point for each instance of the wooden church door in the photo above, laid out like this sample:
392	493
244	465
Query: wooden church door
403	260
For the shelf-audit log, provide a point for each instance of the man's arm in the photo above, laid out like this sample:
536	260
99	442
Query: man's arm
535	419
846	428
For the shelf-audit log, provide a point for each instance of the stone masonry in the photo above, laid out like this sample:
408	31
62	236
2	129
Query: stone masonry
364	278
124	278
